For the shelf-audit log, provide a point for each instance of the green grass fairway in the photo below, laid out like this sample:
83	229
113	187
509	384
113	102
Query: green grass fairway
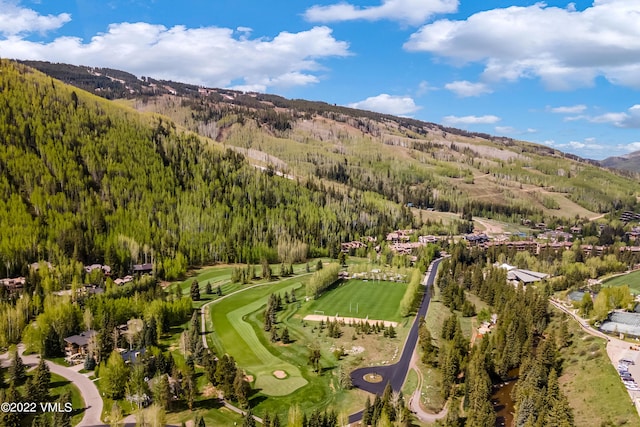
234	335
377	300
631	279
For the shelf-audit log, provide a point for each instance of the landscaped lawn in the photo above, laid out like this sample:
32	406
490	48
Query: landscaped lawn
234	335
60	385
631	279
378	300
221	276
237	326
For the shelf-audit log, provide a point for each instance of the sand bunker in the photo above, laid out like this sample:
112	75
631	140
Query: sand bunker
248	378
280	374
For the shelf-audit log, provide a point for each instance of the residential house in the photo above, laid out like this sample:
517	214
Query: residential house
13	285
146	268
79	344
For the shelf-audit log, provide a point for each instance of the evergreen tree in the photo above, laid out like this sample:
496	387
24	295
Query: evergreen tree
274	335
247	420
367	413
266	270
17	369
40	420
285	336
195	291
558	412
209	362
150	334
391	331
40	382
199	421
63	418
208	289
241	389
189	386
161	391
219	290
11	419
3	383
89	362
314	356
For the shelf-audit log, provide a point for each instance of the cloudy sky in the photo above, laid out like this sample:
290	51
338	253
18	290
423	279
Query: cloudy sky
565	74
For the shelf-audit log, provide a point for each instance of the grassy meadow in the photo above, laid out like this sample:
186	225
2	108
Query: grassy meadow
591	383
378	300
632	279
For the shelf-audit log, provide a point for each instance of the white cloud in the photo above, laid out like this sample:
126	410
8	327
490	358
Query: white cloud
16	20
633	146
573	109
628	120
510	130
470	120
464	88
424	87
564	48
412	12
505	130
575	118
210	56
583	145
388	104
588	145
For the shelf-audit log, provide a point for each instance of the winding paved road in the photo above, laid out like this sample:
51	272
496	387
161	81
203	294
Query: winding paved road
88	390
396	373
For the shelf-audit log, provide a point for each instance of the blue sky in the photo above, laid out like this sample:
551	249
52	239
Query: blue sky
565	74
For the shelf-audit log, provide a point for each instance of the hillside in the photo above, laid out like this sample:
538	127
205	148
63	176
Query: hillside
629	162
407	161
84	179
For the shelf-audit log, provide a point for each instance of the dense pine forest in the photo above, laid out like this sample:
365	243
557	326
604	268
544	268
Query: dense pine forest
82	179
522	344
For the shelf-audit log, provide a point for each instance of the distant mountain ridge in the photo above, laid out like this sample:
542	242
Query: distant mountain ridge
116	84
629	162
407	161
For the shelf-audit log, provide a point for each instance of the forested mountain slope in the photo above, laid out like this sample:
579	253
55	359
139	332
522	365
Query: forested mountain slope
84	179
405	160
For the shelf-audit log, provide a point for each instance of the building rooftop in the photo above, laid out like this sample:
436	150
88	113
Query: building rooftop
82	339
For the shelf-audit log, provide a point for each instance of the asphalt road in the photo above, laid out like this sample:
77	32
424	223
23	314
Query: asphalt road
396	373
88	390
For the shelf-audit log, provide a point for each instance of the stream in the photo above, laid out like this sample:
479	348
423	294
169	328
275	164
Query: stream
502	401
